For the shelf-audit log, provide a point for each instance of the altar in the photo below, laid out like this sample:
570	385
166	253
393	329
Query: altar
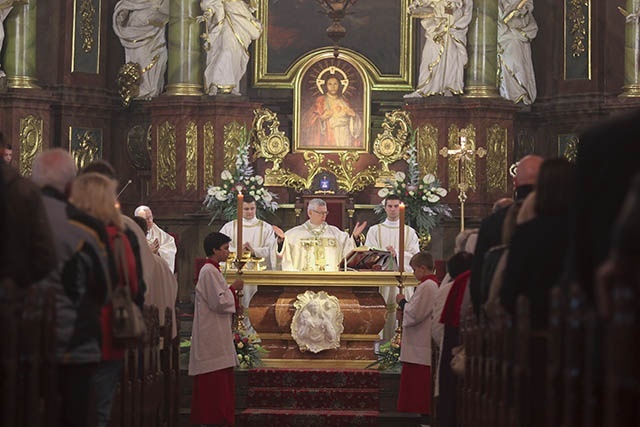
272	310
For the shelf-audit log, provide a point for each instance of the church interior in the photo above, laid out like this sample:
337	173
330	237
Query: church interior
193	102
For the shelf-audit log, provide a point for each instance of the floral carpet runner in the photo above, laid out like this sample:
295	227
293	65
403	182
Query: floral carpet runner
311	397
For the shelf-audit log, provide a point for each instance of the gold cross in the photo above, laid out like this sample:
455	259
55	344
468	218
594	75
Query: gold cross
463	153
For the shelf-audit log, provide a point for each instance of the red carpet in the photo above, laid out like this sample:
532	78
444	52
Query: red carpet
311	397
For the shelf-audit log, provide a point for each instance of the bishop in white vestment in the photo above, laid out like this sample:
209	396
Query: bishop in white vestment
316	245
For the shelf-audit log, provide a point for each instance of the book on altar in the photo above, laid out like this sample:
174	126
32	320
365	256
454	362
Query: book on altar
364	258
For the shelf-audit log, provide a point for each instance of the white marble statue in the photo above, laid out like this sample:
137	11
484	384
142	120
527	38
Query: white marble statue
516	28
5	8
445	24
230	28
140	25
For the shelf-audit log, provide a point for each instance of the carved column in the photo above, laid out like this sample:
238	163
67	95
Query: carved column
482	77
632	50
184	68
20	46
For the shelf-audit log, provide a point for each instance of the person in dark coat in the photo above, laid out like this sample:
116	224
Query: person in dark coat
490	233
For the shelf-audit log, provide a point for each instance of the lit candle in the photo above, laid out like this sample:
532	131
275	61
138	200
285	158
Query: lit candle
463	142
239	243
401	240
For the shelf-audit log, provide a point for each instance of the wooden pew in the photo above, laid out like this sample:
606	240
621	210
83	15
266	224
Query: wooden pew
27	357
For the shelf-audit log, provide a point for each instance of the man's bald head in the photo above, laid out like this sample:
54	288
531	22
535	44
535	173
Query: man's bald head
527	171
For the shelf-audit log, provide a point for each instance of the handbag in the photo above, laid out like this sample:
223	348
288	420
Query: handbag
458	360
127	323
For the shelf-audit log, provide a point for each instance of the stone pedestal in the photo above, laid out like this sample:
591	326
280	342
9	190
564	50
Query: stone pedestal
271	311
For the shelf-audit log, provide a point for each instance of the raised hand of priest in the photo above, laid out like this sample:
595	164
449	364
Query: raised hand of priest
359	228
278	232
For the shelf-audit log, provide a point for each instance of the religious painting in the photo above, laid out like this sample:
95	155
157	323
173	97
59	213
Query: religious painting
331	105
378	30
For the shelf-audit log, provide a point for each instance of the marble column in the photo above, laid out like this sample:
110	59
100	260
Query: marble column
184	66
631	86
481	80
20	46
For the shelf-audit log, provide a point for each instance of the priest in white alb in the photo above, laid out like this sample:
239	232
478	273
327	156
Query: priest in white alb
160	242
259	239
386	236
316	245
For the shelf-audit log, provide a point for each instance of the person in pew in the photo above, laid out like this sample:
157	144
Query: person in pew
316	245
490	233
80	282
213	354
26	233
458	300
414	394
145	264
259	240
535	265
160	242
385	236
95	194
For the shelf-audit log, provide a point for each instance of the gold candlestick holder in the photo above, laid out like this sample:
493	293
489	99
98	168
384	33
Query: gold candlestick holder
396	340
238	324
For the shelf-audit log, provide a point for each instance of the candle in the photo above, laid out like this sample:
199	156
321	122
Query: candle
401	240
239	242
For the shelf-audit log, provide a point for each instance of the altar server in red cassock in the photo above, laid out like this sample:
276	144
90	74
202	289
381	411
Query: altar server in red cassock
415	353
213	355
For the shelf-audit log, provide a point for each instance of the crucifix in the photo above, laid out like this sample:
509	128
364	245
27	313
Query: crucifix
463	153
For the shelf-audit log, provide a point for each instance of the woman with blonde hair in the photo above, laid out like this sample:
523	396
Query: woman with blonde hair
95	194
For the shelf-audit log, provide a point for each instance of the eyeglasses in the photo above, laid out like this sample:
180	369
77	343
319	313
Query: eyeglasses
320	212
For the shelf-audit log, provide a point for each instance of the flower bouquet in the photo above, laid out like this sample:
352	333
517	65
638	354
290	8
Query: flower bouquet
249	350
421	195
388	357
221	200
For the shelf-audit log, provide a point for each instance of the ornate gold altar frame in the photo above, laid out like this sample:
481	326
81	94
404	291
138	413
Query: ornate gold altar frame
402	81
310	84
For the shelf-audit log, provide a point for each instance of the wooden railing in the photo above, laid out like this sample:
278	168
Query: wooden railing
148	394
581	371
28	395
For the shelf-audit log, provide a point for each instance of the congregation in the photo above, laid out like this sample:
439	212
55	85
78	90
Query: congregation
71	222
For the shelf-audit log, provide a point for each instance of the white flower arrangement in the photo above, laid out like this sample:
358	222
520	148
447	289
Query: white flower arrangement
221	200
422	195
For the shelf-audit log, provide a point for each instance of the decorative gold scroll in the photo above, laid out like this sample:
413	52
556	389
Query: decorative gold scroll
290	179
139	147
234	135
209	153
390	145
497	158
427	149
270	142
345	174
85	145
469	169
192	156
30	141
167	156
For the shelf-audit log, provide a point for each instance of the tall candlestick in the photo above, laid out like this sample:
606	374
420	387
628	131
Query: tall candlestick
239	242
401	240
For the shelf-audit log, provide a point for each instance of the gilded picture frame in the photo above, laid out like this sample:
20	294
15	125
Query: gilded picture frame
331	104
380	30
